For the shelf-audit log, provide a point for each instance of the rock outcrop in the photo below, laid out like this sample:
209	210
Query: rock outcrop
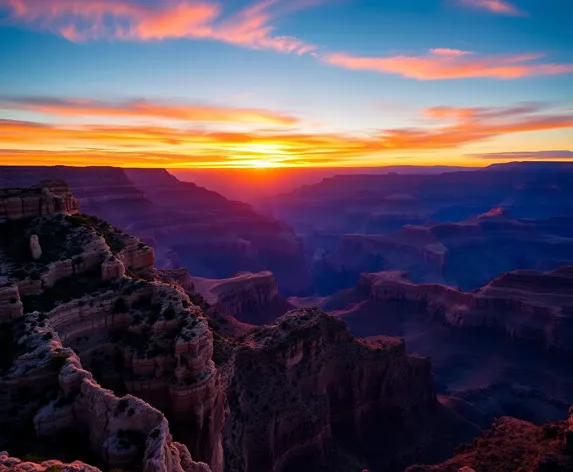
189	225
249	298
523	305
92	300
500	350
490	244
513	445
49	197
303	387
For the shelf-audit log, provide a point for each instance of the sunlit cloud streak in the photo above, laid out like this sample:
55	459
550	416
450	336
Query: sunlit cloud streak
171	19
524	155
447	128
502	7
145	108
440	64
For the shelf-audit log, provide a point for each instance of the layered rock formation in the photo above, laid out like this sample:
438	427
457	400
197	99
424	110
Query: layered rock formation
249	298
513	445
523	305
216	237
304	392
500	350
442	253
186	224
83	303
49	197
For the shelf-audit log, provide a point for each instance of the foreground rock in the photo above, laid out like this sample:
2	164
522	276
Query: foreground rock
186	224
80	304
304	393
513	445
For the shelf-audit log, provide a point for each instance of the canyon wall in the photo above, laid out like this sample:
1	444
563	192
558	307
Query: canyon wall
81	303
249	298
303	387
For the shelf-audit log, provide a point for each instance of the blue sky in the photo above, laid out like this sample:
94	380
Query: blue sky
297	82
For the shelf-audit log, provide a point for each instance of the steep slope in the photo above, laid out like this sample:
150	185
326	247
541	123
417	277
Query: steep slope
221	237
69	299
513	445
186	224
503	349
442	252
249	298
305	395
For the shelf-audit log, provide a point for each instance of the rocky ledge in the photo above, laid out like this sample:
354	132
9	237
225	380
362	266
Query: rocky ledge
523	305
85	322
514	445
303	390
247	297
51	196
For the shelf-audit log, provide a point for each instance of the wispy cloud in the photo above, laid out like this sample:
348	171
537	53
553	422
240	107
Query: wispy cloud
502	7
448	128
442	64
144	108
130	20
524	155
455	127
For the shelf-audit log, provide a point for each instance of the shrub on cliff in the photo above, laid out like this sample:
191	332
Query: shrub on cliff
120	306
58	360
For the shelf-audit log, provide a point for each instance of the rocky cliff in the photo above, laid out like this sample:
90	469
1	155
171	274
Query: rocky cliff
500	350
81	304
249	298
524	305
304	392
107	360
188	225
51	196
513	445
490	244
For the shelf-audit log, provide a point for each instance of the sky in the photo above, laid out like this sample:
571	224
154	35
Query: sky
273	83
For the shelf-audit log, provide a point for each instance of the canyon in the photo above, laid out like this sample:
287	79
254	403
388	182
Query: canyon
489	244
502	349
178	349
108	358
185	224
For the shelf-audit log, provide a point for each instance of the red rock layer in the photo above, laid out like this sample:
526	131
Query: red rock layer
513	445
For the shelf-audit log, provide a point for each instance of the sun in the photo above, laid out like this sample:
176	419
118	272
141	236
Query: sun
263	163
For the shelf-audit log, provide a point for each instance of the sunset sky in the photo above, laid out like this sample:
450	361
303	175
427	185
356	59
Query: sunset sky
185	83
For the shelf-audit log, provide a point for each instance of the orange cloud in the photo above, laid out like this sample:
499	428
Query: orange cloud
449	128
125	20
451	64
495	6
142	108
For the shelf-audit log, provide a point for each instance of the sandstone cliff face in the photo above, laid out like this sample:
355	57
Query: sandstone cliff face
249	298
49	197
526	306
299	387
490	244
80	304
195	227
216	237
